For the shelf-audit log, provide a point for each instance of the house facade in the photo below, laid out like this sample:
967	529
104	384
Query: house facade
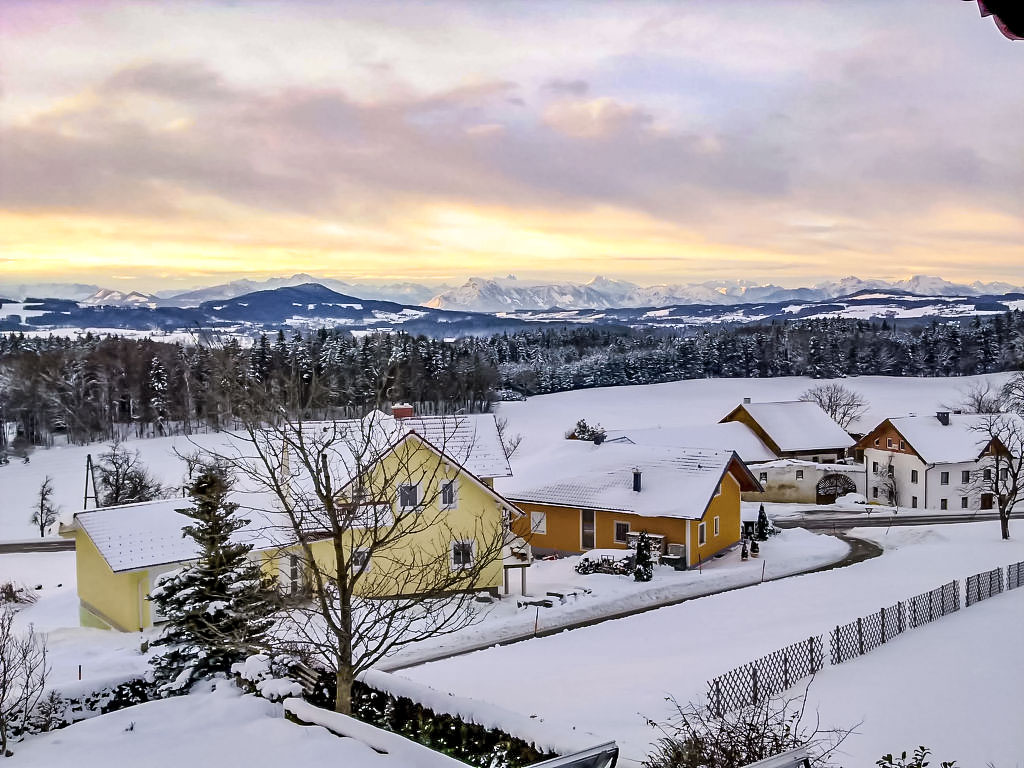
805	482
122	551
688	500
927	462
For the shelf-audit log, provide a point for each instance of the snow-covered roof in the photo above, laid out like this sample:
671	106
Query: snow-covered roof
135	536
726	436
796	425
675	482
938	443
472	440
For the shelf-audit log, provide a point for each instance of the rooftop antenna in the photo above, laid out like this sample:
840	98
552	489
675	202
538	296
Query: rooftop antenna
90	478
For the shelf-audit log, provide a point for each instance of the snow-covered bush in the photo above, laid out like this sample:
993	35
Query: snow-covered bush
584	431
267	676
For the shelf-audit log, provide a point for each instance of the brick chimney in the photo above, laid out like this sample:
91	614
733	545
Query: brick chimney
943	417
402	411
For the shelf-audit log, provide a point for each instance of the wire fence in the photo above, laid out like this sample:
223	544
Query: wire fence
1015	575
867	633
769	675
982	586
929	606
761	679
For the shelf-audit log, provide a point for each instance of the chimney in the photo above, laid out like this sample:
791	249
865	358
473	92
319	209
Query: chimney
943	417
746	401
402	411
637	479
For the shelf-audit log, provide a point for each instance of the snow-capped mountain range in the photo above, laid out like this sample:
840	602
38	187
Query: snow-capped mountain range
493	295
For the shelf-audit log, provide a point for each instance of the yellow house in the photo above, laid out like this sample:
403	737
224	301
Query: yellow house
600	496
121	551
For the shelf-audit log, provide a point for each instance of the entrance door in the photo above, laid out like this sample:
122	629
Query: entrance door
586	529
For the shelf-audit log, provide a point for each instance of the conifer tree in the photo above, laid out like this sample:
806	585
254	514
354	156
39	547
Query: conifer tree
216	608
644	569
762	525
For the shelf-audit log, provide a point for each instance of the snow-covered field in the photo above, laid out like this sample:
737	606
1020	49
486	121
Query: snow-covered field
540	420
606	678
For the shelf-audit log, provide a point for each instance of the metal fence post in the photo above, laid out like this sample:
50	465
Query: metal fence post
785	669
754	683
882	616
860	635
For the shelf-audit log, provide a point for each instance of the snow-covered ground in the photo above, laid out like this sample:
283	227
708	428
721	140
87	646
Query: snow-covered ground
953	686
790	552
606	678
218	728
540	420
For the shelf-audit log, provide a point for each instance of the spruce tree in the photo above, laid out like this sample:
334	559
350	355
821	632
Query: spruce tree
216	609
644	568
762	525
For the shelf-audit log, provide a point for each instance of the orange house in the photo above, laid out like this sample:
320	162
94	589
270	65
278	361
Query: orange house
588	496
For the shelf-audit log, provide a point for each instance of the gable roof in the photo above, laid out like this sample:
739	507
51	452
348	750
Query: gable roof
723	436
795	426
132	537
959	442
472	439
675	482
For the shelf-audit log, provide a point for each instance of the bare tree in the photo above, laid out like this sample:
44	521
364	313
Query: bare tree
844	405
979	398
885	478
123	478
367	513
23	671
509	442
44	511
999	477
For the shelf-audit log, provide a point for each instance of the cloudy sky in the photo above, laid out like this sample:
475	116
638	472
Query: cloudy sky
151	145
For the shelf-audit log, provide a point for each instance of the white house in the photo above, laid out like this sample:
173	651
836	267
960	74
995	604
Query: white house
927	462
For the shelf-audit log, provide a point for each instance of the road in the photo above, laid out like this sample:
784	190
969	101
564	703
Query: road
43	545
832	521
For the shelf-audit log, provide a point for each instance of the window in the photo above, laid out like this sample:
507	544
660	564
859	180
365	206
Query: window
913	475
718	526
408	496
874	492
877	442
913	502
1004	474
988	474
943	503
539	523
449	494
963	502
462	553
903	445
965	476
874	467
621	532
814	459
944	478
888	442
891	471
702	534
762	477
799	474
360	560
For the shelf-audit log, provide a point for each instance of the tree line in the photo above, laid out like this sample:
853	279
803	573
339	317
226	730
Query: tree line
89	387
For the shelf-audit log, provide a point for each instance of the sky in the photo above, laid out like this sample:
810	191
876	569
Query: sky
153	145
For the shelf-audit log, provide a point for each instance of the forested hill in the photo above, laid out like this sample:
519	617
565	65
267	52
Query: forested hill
82	387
